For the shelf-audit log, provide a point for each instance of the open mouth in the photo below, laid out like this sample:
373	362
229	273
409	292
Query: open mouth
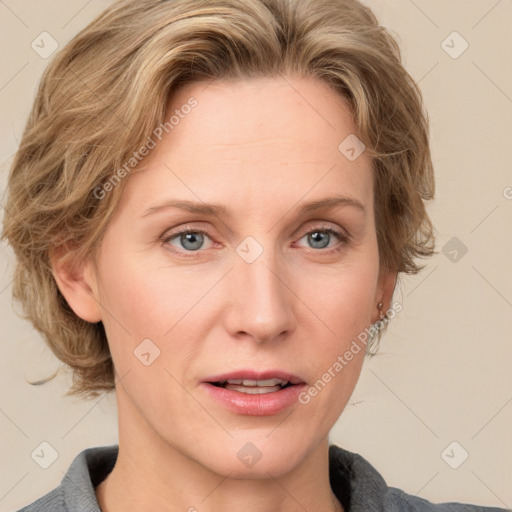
253	387
251	392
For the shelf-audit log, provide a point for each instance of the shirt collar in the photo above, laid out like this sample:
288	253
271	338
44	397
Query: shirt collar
354	481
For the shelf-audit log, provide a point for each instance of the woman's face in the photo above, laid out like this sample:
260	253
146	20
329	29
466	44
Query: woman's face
264	286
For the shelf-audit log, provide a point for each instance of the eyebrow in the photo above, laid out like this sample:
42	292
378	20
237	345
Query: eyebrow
217	210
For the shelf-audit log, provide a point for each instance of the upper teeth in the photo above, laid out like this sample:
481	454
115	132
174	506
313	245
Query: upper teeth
268	382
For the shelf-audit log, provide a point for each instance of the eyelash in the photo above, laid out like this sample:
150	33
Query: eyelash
344	238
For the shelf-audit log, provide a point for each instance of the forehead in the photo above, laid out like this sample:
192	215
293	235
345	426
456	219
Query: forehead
246	112
245	140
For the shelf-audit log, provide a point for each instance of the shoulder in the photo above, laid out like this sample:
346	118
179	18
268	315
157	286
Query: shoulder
360	487
76	492
53	501
397	500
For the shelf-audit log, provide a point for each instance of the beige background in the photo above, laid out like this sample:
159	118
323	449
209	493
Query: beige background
443	373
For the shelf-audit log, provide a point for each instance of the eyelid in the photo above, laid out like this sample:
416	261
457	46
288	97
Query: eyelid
167	237
341	234
325	226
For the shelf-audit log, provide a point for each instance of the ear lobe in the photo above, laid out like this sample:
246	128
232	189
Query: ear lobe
77	283
386	288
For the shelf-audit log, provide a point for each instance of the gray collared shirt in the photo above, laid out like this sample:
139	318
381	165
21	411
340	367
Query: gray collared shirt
357	484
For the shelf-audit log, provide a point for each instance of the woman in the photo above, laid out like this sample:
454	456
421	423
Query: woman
210	207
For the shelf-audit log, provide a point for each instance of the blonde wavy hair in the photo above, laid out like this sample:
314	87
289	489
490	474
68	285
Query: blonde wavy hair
104	93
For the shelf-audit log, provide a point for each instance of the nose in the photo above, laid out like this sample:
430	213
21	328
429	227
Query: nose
262	305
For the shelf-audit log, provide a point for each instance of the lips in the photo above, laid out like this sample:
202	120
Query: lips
254	393
254	382
253	387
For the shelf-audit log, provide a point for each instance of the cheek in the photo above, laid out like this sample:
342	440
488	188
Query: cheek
345	304
147	299
336	360
344	298
346	312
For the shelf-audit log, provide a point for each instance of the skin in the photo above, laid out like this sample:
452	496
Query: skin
260	148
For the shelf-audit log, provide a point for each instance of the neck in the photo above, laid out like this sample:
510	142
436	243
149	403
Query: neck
151	474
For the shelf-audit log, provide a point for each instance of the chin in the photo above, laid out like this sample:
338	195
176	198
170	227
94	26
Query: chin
254	457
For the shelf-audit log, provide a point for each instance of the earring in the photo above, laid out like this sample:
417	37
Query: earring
381	314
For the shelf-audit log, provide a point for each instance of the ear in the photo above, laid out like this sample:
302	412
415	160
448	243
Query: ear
76	282
385	289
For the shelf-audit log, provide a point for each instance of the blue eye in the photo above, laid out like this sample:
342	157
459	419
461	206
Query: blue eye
190	240
320	238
